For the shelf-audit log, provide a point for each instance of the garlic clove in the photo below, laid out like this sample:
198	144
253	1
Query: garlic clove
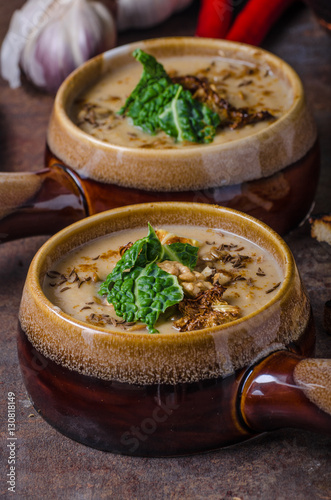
45	60
59	37
91	29
24	22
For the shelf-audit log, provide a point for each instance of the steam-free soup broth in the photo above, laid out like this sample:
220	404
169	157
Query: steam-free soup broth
248	273
242	83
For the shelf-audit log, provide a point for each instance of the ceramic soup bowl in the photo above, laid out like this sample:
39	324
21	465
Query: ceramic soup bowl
132	392
268	169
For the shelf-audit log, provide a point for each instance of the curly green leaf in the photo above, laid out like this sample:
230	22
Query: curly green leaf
142	252
182	252
144	293
187	119
159	104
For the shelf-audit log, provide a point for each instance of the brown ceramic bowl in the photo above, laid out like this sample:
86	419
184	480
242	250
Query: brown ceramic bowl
169	394
258	155
271	173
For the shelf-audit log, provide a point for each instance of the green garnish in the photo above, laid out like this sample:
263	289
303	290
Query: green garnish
143	293
181	252
141	253
138	289
159	104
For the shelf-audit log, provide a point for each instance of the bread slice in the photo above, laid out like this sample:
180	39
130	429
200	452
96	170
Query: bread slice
321	227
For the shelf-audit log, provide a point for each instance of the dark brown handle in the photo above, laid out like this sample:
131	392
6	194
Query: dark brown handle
38	203
286	390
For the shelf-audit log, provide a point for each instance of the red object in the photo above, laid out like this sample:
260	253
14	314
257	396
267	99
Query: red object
214	19
255	20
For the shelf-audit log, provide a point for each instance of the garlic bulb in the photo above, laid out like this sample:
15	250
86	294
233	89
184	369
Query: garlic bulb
50	38
146	13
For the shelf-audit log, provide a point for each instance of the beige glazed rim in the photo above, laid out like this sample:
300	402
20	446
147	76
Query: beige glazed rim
143	358
261	154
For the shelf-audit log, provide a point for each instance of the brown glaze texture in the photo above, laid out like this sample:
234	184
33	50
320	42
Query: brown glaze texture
172	419
174	393
271	173
273	396
52	201
141	358
282	200
197	167
57	196
152	420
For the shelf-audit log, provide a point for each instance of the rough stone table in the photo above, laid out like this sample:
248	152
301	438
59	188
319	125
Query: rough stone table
286	464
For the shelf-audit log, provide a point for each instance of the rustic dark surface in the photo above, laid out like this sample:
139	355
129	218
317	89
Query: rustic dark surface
281	465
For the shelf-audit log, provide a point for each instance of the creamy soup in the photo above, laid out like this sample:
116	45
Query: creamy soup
249	275
242	84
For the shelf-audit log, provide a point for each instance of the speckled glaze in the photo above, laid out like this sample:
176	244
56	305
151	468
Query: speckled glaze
165	358
170	394
259	155
271	175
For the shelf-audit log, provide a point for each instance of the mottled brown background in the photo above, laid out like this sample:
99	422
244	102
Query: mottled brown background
287	464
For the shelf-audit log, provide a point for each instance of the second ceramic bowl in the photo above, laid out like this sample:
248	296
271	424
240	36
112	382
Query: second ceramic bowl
270	172
138	393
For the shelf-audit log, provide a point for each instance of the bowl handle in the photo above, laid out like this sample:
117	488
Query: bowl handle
287	390
38	203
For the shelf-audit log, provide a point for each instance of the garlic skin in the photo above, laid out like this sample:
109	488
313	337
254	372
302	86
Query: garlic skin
50	38
146	13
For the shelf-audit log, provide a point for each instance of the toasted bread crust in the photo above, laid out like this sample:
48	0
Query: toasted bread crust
321	227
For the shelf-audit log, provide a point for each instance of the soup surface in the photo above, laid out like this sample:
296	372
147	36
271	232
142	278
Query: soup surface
241	83
249	275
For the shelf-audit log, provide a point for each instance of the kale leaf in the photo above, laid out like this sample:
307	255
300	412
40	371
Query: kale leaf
144	293
187	119
138	288
142	252
158	103
182	252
